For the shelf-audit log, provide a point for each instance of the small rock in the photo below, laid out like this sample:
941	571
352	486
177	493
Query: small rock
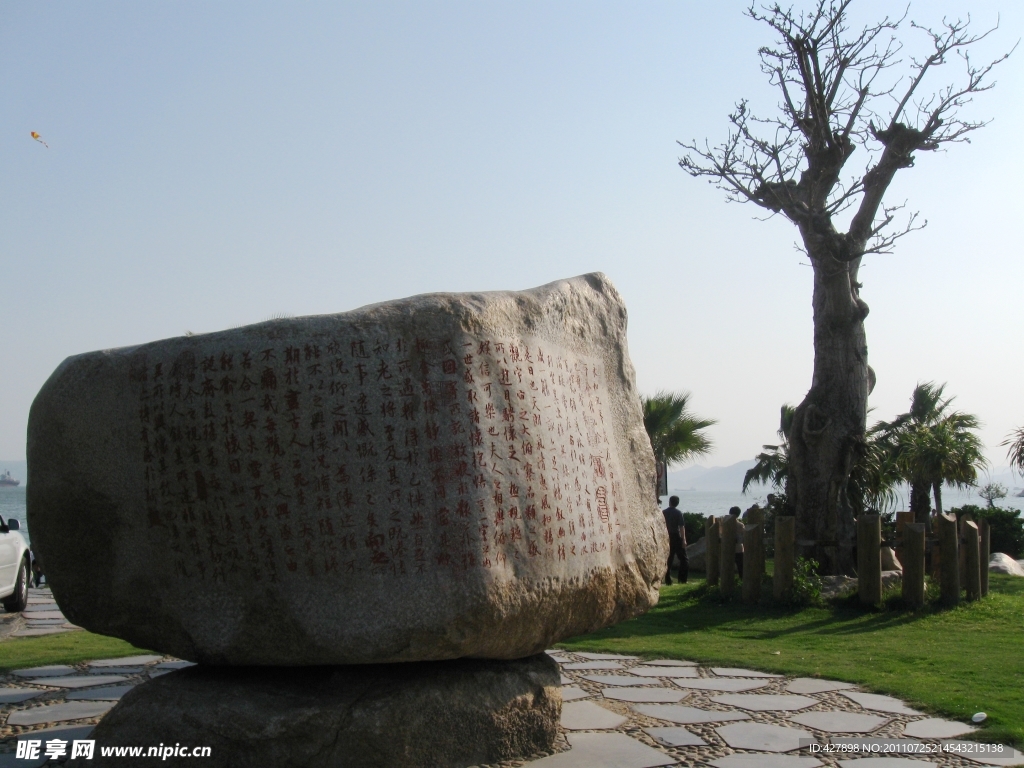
1003	563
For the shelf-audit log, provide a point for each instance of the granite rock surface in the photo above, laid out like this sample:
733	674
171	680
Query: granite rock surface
444	476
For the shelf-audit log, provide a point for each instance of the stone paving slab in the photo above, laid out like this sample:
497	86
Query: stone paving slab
675	736
175	664
593	665
618	679
879	703
670	663
16	695
736	672
588	716
688	715
116	670
80	681
57	670
765	761
665	672
731	684
606	656
840	722
113	693
34	606
605	750
762	736
572	692
937	728
765	702
813	685
44	614
885	762
647	695
74	710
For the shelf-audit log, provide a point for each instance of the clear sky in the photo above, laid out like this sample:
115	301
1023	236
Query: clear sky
213	164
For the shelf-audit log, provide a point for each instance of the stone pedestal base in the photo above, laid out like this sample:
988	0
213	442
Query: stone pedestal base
437	714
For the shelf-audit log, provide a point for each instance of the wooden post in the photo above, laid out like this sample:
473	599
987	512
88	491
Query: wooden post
984	554
753	561
972	551
948	546
785	555
727	554
913	564
712	550
869	559
902	518
962	528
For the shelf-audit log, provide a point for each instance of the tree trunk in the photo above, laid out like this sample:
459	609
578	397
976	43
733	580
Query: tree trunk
920	501
828	427
937	490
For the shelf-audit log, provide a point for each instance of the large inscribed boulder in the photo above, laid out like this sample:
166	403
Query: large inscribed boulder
442	476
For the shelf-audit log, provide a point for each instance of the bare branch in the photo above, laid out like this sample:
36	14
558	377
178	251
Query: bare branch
834	88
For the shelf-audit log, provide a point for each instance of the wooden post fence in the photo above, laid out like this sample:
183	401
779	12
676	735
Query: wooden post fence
785	555
712	550
972	550
869	559
727	558
985	554
950	559
753	560
913	564
902	519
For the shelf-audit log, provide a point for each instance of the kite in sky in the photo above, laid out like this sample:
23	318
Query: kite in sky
38	138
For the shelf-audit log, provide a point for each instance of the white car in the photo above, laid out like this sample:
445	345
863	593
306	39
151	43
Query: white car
15	563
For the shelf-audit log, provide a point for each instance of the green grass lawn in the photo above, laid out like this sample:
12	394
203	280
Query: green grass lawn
65	648
948	662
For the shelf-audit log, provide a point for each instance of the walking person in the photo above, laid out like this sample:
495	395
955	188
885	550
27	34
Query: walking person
676	541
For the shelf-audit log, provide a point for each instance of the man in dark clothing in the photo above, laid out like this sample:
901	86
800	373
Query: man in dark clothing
676	541
735	512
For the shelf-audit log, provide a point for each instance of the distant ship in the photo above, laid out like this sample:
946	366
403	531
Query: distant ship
7	480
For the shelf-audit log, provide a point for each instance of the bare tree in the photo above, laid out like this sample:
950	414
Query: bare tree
840	91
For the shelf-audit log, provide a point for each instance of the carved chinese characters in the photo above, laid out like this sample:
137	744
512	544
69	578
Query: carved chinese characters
390	455
430	478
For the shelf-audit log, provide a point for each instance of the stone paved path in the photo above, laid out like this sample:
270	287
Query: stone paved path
621	712
618	712
40	617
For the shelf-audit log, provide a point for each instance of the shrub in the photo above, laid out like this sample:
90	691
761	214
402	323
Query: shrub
694	524
807	583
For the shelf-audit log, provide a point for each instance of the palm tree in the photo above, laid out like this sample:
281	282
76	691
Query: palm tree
931	445
773	463
1015	453
675	433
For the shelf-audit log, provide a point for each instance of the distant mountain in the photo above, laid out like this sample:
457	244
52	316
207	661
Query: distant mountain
730	479
699	478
